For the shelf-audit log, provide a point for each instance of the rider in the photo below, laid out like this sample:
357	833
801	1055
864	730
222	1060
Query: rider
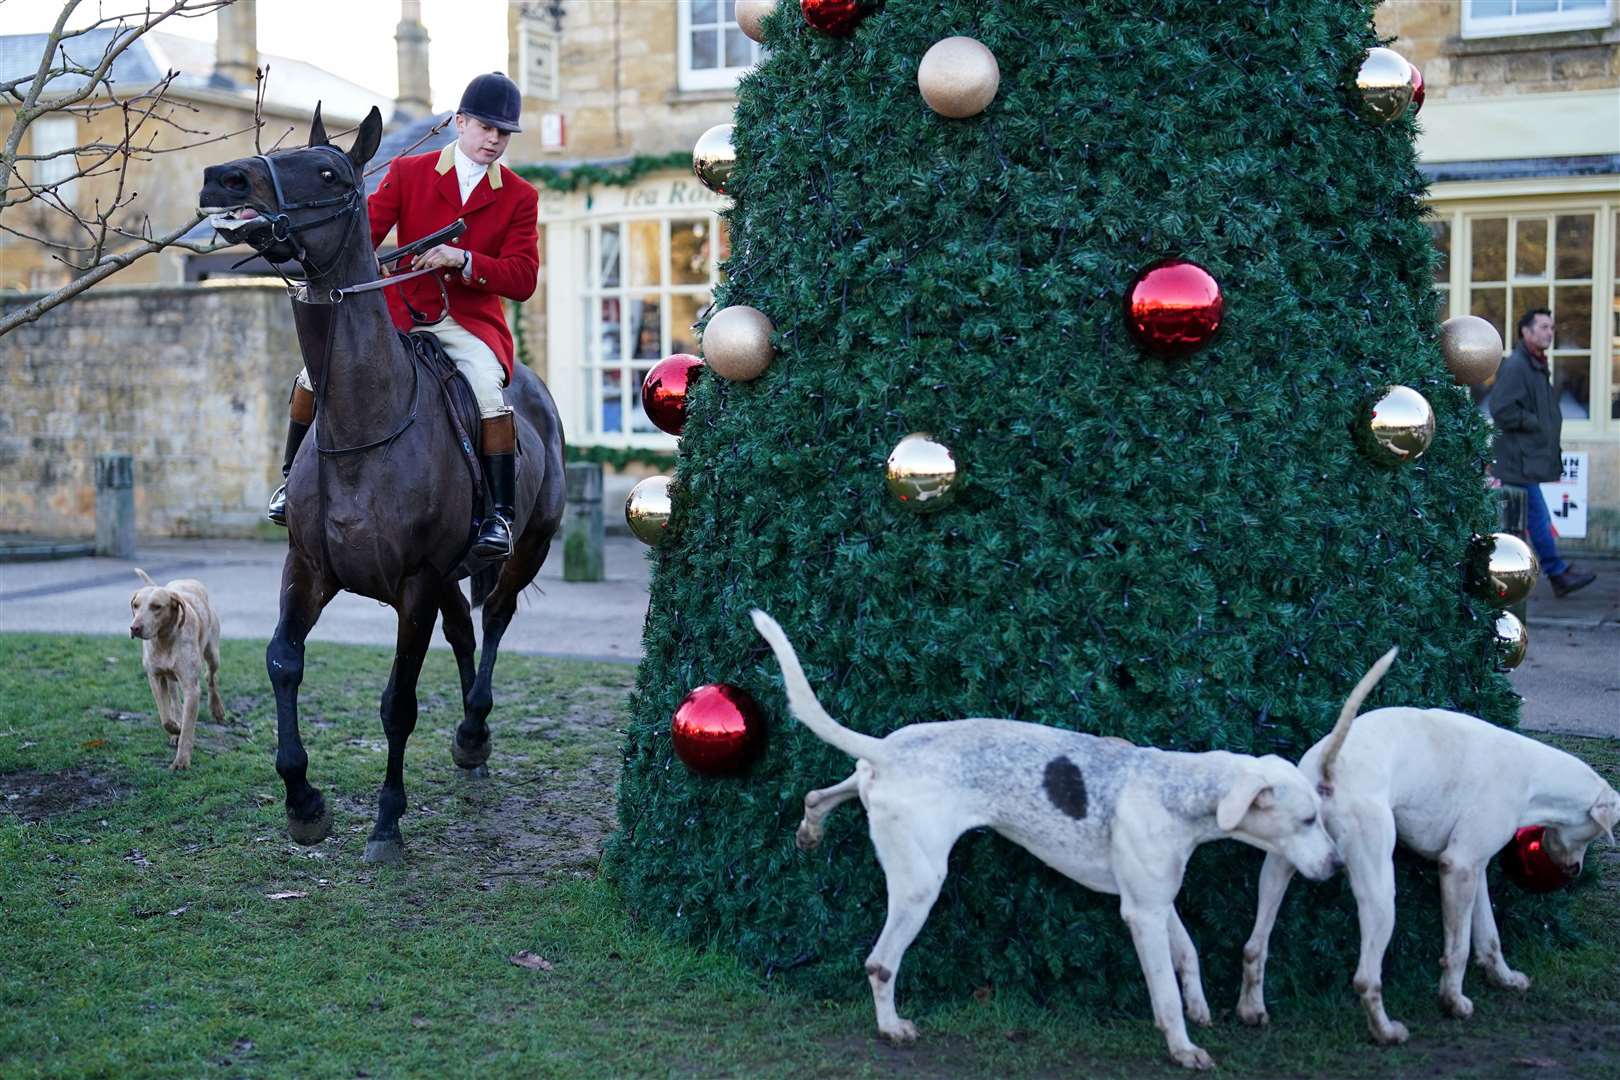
498	255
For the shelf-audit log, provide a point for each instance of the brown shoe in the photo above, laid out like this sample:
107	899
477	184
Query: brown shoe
1571	580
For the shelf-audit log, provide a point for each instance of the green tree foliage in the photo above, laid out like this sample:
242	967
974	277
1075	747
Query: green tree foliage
1193	555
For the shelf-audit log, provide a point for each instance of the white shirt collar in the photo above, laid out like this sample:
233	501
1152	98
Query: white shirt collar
468	172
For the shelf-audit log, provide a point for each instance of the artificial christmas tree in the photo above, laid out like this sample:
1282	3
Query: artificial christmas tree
1186	547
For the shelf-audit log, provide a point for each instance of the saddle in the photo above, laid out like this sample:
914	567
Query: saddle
461	409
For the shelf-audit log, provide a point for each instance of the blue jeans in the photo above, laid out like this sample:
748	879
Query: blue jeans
1539	523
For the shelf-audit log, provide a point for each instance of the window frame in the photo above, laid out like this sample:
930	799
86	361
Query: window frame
715	78
1538	23
49	172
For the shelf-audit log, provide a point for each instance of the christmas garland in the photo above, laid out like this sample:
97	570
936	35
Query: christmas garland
621	456
618	174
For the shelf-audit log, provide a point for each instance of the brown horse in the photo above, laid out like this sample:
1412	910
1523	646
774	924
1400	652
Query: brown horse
382	500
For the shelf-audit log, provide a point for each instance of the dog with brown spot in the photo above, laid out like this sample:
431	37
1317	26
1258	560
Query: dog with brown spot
179	632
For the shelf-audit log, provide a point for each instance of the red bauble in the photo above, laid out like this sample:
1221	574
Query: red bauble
1417	89
1527	864
718	730
663	391
836	17
1173	308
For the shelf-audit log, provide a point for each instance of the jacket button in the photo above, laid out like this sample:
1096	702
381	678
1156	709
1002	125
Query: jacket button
483	281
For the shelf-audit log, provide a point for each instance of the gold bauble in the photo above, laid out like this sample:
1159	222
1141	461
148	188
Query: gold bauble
1502	569
1512	639
751	17
646	511
737	343
1399	426
1473	349
921	472
1383	85
714	157
958	77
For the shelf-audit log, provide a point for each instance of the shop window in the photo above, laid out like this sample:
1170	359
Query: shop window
712	50
647	281
1498	18
1521	262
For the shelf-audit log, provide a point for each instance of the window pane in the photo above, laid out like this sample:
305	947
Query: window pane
612	407
1584	5
638	415
703	11
689	251
1527	299
1574	246
607	257
684	312
730	9
1572	386
1572	317
705	49
1489	304
1530	248
1440	231
739	50
1492	9
612	334
645	259
647	329
1489	239
1535	7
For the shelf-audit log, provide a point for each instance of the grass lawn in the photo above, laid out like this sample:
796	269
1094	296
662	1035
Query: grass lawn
141	933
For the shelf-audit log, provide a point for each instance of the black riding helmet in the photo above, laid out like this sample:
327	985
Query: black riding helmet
494	99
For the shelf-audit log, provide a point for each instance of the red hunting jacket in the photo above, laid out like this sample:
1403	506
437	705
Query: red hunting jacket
421	194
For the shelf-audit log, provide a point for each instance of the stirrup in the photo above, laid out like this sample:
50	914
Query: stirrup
277	509
494	539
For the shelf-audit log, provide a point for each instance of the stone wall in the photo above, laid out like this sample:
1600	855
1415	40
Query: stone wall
192	381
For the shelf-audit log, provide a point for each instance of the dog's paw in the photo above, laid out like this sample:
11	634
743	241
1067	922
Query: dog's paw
808	838
1393	1033
1194	1057
180	763
1198	1013
901	1032
1457	1005
1508	979
1252	1014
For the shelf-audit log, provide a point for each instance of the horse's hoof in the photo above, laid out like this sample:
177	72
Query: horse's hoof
469	757
310	832
479	772
384	852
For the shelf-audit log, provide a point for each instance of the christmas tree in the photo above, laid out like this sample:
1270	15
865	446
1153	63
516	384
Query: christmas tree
1188	539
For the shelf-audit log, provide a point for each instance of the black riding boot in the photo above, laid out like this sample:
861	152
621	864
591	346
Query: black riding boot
500	472
302	408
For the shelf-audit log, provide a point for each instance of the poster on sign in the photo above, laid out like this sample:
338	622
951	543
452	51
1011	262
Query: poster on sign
1566	499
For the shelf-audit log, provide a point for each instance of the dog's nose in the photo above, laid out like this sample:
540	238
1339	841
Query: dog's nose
134	633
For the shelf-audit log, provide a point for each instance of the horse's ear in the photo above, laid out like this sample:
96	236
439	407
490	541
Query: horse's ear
317	130
367	141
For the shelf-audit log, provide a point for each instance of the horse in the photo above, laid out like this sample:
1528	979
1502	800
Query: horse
380	500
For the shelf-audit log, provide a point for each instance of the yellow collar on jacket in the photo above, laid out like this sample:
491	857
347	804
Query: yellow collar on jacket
447	161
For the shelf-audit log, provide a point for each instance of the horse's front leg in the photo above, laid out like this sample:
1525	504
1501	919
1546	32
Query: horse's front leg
418	610
304	593
470	747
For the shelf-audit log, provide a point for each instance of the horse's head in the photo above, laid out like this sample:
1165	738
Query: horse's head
294	204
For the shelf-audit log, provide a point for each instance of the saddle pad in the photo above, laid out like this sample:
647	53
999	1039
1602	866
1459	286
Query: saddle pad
460	403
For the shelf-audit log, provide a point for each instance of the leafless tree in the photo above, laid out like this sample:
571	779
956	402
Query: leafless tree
138	122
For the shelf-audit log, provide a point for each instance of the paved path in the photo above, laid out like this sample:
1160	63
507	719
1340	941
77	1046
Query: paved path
1570	681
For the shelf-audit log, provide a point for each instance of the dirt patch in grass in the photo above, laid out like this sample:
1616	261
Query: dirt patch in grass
36	796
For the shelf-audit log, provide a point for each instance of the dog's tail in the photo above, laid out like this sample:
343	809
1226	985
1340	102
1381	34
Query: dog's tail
1341	730
802	700
145	576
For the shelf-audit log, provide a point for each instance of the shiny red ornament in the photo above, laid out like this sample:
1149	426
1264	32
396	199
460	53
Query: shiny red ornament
1173	308
663	391
1527	864
1417	89
718	729
836	17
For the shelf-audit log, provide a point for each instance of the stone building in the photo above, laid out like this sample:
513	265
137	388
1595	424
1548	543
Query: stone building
1520	139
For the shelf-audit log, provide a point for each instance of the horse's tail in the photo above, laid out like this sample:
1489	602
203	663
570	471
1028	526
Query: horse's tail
483	583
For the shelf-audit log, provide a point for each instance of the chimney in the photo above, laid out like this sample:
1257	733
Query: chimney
415	98
236	50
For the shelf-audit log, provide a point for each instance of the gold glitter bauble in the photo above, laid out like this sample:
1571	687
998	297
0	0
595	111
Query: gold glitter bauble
751	17
1473	349
1398	427
1383	85
646	511
737	343
922	473
1512	639
1502	569
714	157
958	77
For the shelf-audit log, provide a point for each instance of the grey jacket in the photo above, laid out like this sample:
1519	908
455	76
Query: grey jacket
1528	423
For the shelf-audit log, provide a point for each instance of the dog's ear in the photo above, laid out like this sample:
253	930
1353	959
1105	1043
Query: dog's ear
1251	789
179	610
1606	812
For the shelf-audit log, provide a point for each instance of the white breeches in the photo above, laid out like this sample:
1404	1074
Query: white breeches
475	360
